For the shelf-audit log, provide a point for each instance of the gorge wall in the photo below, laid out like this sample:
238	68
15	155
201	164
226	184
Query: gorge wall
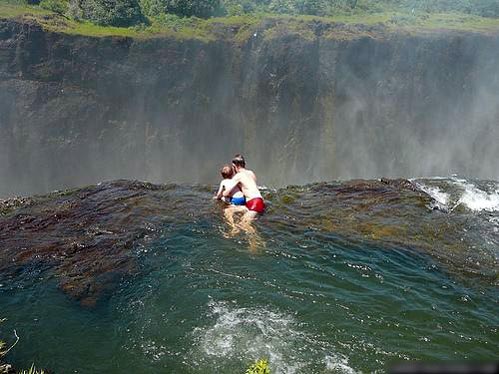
327	105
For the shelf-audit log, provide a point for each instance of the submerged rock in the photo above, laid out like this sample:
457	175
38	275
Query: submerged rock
88	237
85	237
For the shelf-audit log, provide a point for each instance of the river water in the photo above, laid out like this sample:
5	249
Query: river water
342	277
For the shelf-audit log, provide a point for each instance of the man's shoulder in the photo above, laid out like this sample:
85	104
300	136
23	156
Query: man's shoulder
246	173
252	174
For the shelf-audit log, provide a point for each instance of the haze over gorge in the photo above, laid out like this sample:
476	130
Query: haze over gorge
334	102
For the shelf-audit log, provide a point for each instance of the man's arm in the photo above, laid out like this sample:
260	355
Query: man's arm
231	185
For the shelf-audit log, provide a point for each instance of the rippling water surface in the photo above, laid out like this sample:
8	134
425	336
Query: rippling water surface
345	277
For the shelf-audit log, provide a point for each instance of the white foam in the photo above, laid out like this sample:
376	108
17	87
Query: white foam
338	364
476	199
249	334
440	197
494	220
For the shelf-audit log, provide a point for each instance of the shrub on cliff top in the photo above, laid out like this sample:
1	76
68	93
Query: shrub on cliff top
152	8
108	12
312	7
182	8
56	6
484	8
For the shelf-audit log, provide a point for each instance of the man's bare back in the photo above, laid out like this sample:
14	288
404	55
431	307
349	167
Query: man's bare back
246	179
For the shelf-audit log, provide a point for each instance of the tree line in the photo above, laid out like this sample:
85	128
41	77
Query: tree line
132	12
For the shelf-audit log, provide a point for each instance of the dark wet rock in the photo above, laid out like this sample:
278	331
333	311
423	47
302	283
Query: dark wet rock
88	238
85	237
8	205
400	183
392	213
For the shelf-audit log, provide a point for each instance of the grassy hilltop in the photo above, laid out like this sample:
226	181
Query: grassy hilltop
238	19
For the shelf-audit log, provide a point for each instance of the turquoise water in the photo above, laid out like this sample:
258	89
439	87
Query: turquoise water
344	277
206	304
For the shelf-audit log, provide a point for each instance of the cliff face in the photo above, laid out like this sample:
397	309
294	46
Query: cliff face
76	110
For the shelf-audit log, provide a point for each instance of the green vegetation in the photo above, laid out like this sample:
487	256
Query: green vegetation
56	6
484	8
120	13
259	367
182	8
211	19
127	12
11	9
6	368
32	370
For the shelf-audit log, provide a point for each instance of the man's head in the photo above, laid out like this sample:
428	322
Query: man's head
227	172
238	161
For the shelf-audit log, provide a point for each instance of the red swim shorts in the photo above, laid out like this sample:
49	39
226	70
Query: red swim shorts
256	204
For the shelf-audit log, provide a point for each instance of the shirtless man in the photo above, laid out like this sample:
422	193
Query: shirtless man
246	180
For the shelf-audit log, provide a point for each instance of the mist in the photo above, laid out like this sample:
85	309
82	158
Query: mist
78	110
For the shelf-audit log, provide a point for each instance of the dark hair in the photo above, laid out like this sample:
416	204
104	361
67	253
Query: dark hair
238	160
227	171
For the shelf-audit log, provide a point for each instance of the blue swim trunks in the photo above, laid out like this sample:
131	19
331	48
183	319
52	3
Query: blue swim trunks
238	200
